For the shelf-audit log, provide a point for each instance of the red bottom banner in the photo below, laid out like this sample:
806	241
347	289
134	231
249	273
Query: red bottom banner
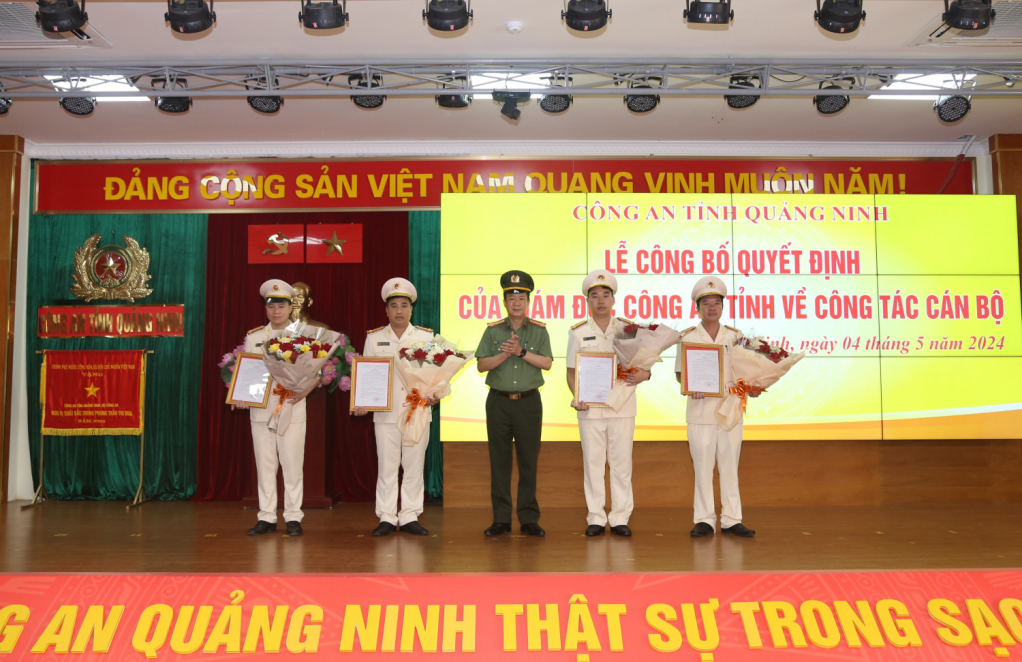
955	615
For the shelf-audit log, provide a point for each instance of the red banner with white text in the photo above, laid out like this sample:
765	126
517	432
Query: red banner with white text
918	616
65	187
92	392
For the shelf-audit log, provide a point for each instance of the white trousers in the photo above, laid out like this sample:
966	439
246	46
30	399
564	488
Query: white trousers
608	441
391	457
289	450
711	444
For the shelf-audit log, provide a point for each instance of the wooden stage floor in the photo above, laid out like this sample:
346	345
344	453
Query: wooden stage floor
90	536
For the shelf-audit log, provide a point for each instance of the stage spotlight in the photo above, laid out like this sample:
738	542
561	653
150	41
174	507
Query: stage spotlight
323	15
830	104
447	15
173	105
80	106
642	103
953	108
714	13
5	102
61	15
742	100
585	15
189	16
369	100
839	16
557	103
510	101
969	14
264	104
459	100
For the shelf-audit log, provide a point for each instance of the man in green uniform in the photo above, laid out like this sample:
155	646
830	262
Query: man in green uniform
514	351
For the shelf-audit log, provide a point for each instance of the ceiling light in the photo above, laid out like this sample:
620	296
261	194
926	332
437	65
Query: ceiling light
642	103
61	15
5	102
953	108
828	104
174	105
968	14
557	103
323	15
367	100
80	106
267	105
740	101
585	15
454	100
839	16
189	16
714	13
510	101
447	15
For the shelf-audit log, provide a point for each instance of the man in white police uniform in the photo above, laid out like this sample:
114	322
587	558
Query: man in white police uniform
606	434
270	447
709	443
399	295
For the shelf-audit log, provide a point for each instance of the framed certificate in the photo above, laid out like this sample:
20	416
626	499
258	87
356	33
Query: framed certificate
595	373
372	380
702	369
250	382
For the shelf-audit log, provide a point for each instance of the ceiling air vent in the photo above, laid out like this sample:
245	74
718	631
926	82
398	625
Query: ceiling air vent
1005	30
19	30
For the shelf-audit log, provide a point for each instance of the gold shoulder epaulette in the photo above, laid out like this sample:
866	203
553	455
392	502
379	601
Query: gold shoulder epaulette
732	328
579	324
379	328
687	330
626	321
495	323
255	329
424	328
537	322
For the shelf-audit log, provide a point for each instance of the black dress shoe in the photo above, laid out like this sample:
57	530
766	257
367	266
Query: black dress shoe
595	530
384	529
740	531
294	528
533	529
414	528
701	529
262	527
621	530
497	529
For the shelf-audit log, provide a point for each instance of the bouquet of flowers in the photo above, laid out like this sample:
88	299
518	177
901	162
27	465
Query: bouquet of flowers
295	357
226	364
426	369
336	373
637	347
757	365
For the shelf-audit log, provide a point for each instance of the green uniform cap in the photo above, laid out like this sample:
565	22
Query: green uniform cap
516	281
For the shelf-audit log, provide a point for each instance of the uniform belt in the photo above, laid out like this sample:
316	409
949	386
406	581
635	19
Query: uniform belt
514	396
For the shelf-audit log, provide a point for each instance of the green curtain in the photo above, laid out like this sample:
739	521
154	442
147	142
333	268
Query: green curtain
107	467
424	272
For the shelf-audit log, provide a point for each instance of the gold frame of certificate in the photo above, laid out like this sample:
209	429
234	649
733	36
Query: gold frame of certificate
578	375
242	357
358	360
701	347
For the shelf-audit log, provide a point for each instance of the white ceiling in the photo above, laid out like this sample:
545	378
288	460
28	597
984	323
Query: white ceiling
393	30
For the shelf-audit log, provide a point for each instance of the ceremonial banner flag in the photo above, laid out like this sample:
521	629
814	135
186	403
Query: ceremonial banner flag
93	392
333	243
276	244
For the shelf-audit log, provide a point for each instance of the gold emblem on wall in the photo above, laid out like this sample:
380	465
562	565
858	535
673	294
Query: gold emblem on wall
112	272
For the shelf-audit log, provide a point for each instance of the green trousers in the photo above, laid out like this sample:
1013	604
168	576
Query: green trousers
518	422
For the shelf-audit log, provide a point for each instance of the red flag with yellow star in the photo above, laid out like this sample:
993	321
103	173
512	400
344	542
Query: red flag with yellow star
93	392
333	243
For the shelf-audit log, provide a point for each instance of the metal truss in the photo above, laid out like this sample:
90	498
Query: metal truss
424	78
